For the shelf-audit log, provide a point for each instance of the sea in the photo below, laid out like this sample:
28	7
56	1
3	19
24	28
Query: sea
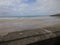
25	17
25	23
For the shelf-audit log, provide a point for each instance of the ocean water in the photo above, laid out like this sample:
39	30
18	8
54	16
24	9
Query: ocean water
9	24
24	17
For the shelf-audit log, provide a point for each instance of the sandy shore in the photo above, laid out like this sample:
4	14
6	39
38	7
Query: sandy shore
11	25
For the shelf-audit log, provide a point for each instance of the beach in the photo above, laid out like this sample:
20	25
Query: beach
8	25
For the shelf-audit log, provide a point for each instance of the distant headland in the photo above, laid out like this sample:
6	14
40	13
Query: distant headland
55	15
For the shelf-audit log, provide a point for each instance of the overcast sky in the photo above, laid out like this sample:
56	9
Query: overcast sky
29	7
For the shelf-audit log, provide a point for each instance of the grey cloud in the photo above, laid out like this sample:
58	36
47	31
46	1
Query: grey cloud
20	8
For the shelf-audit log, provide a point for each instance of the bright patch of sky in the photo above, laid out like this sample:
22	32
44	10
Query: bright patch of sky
29	1
29	7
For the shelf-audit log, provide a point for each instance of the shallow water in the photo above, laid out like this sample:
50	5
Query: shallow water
17	24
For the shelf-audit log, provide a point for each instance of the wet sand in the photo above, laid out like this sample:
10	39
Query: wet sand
18	24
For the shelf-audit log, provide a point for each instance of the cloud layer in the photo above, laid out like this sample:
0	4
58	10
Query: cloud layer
29	7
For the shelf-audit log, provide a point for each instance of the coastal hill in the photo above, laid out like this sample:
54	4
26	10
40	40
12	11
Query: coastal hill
55	15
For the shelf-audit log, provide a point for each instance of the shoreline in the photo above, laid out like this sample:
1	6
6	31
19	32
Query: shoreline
7	26
29	31
31	36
